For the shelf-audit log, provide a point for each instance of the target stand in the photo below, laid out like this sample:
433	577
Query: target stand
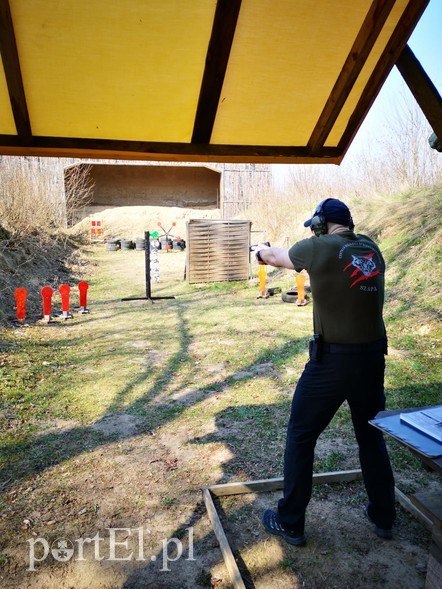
148	296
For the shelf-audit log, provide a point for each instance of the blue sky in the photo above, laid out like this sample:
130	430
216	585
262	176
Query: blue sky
426	44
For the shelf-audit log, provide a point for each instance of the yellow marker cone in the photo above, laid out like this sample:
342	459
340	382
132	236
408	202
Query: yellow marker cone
300	282
262	275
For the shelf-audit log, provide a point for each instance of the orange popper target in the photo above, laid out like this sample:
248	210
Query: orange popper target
64	291
20	295
82	287
46	294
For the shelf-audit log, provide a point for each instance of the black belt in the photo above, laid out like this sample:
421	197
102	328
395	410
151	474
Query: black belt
379	345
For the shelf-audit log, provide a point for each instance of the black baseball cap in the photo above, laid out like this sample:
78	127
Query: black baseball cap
334	211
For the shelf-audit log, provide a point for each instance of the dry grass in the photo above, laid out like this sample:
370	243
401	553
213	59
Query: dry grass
409	229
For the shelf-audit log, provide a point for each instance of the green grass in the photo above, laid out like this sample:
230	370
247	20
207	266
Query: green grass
211	373
145	360
215	354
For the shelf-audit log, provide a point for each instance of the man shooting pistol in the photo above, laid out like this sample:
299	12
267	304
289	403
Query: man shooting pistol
346	364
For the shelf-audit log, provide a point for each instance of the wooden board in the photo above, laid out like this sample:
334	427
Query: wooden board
411	508
277	484
264	485
224	545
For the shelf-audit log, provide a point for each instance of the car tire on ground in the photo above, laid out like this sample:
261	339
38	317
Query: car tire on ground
291	296
126	244
112	245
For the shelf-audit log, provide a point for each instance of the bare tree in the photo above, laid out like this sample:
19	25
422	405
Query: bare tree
401	159
78	190
33	193
412	162
398	160
30	195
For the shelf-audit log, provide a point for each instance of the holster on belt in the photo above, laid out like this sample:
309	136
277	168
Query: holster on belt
315	347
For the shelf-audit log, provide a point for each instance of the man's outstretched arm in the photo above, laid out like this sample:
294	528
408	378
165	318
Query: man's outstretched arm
273	256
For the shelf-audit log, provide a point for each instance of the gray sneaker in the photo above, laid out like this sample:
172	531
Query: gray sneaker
270	520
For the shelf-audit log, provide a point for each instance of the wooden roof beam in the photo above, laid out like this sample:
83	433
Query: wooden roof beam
389	57
422	88
365	40
220	44
11	65
132	150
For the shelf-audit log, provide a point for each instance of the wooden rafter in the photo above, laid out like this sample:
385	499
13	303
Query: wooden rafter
422	88
389	57
121	149
367	36
223	32
11	65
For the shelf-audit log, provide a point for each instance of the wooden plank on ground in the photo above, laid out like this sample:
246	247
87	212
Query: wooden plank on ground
229	559
277	484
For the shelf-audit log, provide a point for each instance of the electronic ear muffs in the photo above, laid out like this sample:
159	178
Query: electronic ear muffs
318	223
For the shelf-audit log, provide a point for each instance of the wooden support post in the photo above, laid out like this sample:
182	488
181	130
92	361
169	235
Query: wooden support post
430	504
408	506
422	88
434	569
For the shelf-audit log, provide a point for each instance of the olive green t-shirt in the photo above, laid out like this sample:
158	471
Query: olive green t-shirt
347	282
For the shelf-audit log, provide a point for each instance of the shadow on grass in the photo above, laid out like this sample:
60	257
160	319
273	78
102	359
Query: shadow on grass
255	436
36	452
242	467
256	440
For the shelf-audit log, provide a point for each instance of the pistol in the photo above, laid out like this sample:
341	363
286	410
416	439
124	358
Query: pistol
267	243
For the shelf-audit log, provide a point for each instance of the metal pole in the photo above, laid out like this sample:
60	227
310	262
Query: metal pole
147	258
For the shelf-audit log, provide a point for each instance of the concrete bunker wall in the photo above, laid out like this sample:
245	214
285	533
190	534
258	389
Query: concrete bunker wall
147	185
